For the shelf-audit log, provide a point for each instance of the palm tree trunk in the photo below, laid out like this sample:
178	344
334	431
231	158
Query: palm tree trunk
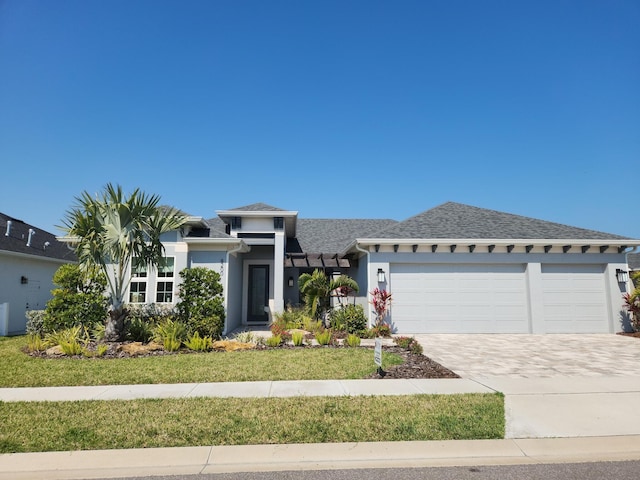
114	328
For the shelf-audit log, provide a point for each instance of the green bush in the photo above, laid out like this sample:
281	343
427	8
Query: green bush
297	337
197	343
273	341
349	318
79	299
292	318
245	337
171	334
324	337
415	348
35	322
201	305
403	342
138	330
352	340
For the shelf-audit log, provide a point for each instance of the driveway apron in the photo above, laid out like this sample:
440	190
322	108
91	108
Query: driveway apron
554	385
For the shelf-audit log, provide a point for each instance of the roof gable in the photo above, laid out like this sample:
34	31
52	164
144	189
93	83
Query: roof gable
258	207
456	220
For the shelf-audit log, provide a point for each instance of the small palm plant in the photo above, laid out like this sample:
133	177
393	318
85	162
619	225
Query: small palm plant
318	289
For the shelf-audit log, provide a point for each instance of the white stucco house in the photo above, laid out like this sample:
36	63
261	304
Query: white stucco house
29	257
452	269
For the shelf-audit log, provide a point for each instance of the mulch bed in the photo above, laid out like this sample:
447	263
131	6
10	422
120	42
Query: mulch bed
414	365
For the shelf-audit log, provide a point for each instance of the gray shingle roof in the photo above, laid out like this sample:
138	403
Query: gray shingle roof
258	207
333	235
633	259
456	220
43	244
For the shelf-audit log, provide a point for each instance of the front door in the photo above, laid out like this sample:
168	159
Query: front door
258	293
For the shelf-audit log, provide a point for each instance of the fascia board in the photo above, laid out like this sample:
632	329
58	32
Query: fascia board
497	241
228	243
35	257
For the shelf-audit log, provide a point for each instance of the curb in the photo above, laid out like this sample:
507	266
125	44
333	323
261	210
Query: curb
298	457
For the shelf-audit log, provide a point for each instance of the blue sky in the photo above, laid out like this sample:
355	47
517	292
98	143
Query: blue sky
336	109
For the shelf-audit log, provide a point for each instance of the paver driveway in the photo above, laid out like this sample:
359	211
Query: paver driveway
534	356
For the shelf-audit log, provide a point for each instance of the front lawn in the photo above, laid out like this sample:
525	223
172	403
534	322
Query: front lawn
58	426
22	370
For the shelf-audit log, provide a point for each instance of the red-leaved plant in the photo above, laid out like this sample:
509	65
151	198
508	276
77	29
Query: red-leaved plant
632	305
381	300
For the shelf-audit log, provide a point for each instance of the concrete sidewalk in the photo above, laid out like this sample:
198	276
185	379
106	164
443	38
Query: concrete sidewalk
325	456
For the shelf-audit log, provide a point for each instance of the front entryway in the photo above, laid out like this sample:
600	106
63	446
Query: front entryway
258	294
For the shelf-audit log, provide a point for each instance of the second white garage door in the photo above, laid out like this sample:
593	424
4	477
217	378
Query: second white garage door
574	299
465	298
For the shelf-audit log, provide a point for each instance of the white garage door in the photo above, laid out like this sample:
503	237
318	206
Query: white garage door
468	298
574	298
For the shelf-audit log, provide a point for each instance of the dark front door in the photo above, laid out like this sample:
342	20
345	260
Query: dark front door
258	293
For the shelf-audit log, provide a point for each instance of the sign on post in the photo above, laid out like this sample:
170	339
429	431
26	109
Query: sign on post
377	353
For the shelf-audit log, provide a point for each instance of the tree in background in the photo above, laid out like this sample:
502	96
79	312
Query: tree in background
108	231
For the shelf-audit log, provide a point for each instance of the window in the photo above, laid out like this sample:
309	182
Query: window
278	223
138	286
164	288
138	292
236	223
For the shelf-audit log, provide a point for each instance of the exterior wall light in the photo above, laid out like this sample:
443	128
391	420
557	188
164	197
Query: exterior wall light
622	276
24	280
381	278
290	282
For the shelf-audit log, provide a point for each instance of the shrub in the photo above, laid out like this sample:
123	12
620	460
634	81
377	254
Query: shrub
352	340
415	348
292	318
277	328
68	335
139	330
101	349
211	326
143	318
245	337
79	299
171	334
201	304
297	337
382	330
35	343
350	318
274	341
403	342
324	337
197	343
35	322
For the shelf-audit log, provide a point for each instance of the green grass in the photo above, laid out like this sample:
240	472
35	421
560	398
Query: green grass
63	426
21	370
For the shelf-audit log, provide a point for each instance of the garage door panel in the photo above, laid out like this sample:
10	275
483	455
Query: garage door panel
442	298
574	299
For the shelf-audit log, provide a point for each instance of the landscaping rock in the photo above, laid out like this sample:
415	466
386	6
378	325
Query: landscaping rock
232	346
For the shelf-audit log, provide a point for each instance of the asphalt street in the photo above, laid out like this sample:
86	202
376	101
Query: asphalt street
564	471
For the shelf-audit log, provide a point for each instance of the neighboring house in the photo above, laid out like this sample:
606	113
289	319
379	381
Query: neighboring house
452	269
29	257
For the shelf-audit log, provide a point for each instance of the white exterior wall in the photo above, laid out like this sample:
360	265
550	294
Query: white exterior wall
533	272
33	295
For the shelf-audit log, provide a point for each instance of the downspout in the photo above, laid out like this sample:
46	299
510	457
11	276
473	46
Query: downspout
226	286
366	252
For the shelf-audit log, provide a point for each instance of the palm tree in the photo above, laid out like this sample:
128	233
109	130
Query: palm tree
109	231
317	290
